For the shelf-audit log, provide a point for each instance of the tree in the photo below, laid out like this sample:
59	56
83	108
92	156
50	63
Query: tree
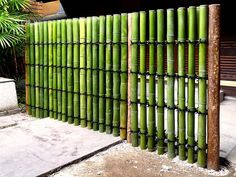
13	15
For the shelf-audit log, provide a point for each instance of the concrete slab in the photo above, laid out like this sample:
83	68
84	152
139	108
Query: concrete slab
8	97
228	129
13	119
35	147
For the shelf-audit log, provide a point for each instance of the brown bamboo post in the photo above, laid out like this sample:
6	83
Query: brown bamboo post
26	88
26	71
213	87
129	79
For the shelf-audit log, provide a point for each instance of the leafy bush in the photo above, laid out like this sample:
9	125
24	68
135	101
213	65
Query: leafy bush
12	20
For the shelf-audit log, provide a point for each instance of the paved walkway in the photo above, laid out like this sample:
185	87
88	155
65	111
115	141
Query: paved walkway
30	147
36	146
228	129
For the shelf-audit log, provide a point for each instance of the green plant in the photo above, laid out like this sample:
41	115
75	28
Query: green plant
12	19
13	16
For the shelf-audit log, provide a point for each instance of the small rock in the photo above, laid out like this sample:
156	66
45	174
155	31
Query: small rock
99	173
165	168
135	166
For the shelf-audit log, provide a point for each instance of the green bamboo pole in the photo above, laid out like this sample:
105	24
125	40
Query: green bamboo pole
82	72
37	79
203	14
124	76
116	75
27	67
64	71
108	74
32	71
95	71
89	71
54	86
69	71
161	82
41	46
75	23
45	70
191	82
197	22
101	74
59	92
181	81
151	101
50	69
170	83
134	79
143	111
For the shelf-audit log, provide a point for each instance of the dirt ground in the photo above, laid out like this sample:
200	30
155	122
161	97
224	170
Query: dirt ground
125	161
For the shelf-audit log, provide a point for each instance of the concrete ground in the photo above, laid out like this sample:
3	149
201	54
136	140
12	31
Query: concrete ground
31	147
124	160
228	129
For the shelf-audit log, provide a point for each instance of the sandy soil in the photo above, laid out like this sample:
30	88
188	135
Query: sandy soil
125	161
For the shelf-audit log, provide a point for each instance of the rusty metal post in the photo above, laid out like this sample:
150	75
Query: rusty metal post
129	79
213	87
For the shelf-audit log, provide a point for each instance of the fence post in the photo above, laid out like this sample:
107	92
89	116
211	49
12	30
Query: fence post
129	79
27	68
214	87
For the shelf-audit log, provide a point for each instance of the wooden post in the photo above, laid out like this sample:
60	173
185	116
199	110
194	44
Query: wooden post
27	70
214	87
129	79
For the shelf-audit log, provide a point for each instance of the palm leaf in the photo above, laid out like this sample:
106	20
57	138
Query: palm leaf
17	5
12	20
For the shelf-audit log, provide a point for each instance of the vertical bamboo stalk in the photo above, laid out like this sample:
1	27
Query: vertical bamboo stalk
116	74
82	72
32	71
64	71
214	87
170	83
69	71
191	82
37	79
108	74
54	86
27	70
143	111
89	71
203	14
134	80
41	46
129	77
123	67
45	70
181	82
76	83
59	81
161	82
50	69
151	97
101	74
95	71
197	22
